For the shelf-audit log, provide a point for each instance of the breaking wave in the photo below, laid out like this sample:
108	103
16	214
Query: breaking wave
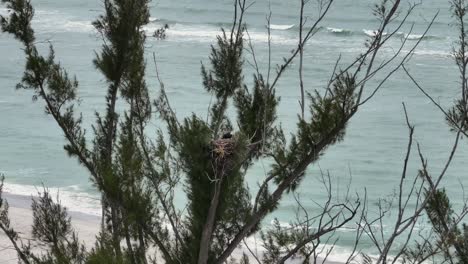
372	33
52	21
339	31
281	27
433	53
208	33
72	196
418	37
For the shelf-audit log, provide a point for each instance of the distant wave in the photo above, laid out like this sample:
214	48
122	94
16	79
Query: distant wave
78	26
373	33
432	53
339	31
208	33
53	21
414	36
418	37
161	21
281	27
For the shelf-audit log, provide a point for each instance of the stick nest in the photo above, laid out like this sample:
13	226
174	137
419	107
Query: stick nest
222	148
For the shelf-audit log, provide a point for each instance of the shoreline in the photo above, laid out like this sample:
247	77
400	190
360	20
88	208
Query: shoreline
20	201
86	225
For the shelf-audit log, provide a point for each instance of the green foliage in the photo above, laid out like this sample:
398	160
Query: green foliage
280	239
257	114
224	78
210	168
439	210
451	234
19	23
137	177
457	117
52	227
115	160
331	110
5	226
275	241
46	77
451	239
103	252
329	114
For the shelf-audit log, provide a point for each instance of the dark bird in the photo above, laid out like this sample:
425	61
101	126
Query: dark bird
227	135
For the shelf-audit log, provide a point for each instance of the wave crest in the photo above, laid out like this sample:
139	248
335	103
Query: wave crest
373	33
72	197
339	31
418	37
205	33
281	27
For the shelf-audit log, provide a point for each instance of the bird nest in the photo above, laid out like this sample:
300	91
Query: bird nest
222	148
222	153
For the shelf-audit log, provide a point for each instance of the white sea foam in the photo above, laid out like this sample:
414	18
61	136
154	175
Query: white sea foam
372	33
332	253
338	30
335	30
78	26
205	33
153	19
413	36
76	200
421	36
71	196
55	26
432	53
52	21
281	27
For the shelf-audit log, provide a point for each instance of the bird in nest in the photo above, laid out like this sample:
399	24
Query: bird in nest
222	146
227	135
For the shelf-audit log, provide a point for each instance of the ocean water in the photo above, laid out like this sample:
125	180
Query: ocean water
370	157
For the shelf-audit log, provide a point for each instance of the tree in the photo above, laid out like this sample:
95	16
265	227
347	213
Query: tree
137	175
448	240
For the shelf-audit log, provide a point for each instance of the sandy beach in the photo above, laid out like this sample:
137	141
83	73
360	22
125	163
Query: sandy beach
87	226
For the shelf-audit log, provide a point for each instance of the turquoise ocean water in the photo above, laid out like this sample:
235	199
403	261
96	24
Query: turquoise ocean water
372	153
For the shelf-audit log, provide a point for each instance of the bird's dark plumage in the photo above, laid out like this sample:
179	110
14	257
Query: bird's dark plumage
227	135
